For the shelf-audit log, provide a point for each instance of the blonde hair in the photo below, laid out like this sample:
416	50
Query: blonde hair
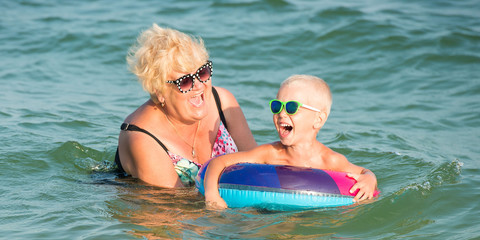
160	51
323	97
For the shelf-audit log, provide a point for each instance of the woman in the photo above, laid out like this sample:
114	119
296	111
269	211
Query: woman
185	121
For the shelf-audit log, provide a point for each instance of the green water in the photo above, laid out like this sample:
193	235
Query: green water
405	77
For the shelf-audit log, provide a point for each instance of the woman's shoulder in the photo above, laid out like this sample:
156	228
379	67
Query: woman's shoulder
221	90
226	97
144	121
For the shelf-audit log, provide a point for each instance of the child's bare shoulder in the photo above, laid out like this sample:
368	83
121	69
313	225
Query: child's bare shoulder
268	148
333	158
265	152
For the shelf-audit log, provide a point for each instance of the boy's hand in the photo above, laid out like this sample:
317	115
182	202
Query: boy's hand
366	184
215	203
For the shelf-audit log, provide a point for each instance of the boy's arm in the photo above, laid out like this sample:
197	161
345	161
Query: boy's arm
210	183
216	167
366	184
366	179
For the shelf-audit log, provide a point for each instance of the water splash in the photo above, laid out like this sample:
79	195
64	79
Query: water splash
446	173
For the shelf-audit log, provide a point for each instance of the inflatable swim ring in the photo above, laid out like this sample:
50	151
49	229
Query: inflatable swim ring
280	187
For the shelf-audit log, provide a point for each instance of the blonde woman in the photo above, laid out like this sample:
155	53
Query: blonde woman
186	121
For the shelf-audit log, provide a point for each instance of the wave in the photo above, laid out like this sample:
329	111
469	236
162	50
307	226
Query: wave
83	158
251	4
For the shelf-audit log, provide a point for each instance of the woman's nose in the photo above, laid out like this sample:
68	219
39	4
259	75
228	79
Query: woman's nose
199	85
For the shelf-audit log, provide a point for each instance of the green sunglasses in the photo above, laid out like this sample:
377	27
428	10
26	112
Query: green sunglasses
291	107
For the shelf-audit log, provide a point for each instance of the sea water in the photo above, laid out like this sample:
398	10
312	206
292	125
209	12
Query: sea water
405	78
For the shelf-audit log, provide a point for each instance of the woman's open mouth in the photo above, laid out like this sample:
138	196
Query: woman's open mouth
197	100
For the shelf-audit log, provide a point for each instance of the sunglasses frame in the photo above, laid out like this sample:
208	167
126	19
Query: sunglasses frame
194	76
284	106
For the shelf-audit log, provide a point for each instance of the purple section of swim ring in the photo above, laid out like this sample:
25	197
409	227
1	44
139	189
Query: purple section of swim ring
260	175
297	178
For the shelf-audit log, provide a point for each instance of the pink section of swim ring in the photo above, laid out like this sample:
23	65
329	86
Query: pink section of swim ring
345	183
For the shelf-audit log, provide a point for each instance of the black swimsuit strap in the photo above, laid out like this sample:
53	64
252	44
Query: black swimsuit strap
131	127
219	106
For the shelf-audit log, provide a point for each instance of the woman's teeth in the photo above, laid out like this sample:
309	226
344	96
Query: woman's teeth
197	100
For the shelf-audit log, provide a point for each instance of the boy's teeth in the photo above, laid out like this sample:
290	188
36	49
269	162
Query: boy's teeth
286	126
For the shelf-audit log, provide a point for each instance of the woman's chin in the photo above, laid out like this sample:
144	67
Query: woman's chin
199	113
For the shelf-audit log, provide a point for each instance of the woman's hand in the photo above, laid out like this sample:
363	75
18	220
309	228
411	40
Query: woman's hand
366	184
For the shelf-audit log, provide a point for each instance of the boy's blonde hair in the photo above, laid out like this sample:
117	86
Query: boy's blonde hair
161	51
322	98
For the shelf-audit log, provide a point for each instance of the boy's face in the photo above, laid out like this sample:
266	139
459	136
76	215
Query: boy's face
293	129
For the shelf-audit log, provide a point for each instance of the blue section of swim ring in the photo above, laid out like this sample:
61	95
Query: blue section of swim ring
199	178
259	175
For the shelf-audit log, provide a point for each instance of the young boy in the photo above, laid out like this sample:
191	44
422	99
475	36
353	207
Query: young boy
299	112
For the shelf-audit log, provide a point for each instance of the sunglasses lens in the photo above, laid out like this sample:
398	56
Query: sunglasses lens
204	74
291	107
275	106
186	83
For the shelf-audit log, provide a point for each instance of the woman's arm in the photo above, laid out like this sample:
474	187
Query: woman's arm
143	158
237	124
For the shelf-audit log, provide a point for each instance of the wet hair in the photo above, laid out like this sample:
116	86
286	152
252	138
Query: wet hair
323	96
159	52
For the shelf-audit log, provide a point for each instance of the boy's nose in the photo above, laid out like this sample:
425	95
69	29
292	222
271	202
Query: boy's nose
283	113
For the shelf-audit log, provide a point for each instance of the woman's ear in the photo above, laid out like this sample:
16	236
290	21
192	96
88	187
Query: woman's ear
159	98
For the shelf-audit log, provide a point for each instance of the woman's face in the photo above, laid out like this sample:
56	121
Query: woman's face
190	106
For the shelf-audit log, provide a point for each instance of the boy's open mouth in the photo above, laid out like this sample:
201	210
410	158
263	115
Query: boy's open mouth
285	129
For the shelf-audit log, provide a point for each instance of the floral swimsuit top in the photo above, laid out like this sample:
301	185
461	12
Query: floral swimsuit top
187	170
